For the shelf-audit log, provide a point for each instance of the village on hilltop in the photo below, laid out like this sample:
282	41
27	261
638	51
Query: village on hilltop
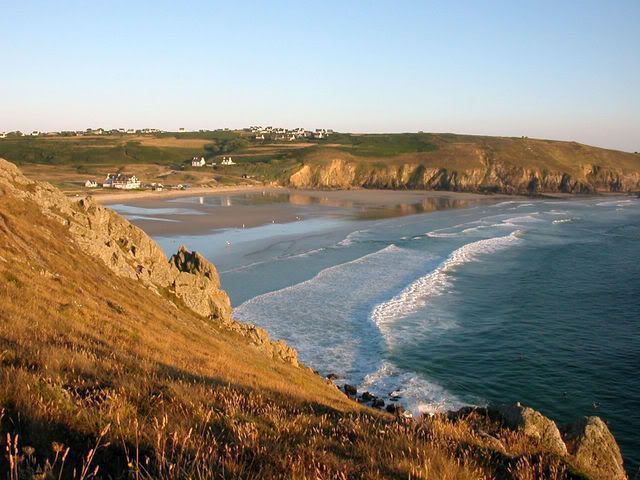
123	181
257	132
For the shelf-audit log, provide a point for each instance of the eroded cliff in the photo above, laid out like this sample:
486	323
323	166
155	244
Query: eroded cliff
187	278
475	164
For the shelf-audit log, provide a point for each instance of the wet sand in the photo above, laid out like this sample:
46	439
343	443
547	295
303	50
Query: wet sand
107	197
199	213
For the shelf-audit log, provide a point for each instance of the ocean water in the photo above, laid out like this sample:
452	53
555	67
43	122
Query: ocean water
535	301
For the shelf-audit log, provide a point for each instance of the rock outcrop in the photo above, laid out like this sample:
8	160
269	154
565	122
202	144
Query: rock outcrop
129	252
489	176
534	425
593	447
588	444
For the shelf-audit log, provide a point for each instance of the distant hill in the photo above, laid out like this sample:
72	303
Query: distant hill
115	363
468	163
440	161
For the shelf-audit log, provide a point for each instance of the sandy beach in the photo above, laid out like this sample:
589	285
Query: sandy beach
119	196
202	210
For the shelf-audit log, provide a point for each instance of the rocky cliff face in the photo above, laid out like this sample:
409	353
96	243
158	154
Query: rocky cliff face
187	277
493	176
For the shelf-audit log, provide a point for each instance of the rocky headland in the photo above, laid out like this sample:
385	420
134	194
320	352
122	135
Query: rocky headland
487	177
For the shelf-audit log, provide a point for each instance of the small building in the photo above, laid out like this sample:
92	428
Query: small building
35	133
157	187
198	162
227	161
121	181
3	135
91	184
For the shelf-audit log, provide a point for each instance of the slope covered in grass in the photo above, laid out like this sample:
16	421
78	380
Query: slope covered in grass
103	376
443	161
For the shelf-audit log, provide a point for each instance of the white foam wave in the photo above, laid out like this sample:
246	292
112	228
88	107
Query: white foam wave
446	232
305	254
277	259
326	317
417	294
615	203
441	235
352	237
415	393
563	220
523	219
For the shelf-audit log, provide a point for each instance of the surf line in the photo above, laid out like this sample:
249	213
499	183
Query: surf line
417	294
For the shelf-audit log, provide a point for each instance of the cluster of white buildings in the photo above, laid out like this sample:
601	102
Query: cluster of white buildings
288	134
121	181
201	162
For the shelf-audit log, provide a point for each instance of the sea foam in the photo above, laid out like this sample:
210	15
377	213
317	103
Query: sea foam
418	293
418	395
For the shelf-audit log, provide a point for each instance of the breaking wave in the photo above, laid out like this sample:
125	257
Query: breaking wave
418	395
417	294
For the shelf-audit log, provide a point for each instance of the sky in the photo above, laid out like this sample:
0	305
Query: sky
566	70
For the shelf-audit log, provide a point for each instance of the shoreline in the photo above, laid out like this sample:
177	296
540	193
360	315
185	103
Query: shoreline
199	211
128	195
118	196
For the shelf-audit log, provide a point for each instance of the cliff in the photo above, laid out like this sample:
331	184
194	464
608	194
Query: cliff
187	278
116	363
477	164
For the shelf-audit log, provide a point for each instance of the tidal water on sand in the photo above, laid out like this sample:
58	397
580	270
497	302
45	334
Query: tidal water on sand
529	300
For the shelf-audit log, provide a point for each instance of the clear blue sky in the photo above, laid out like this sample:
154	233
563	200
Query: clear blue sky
555	69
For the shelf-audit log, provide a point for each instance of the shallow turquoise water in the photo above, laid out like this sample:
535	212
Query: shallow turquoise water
532	301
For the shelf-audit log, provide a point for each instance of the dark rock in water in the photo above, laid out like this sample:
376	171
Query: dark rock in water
350	389
378	403
593	446
332	376
535	425
395	408
367	397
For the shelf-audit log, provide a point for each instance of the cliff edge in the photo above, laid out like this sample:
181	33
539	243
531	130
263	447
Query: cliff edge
466	163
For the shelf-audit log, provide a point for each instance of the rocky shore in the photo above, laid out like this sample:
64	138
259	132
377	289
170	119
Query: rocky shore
587	442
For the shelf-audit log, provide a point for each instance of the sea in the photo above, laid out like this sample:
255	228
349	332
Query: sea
492	302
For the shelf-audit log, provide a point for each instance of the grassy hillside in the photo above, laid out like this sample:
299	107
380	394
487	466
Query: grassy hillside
101	377
69	160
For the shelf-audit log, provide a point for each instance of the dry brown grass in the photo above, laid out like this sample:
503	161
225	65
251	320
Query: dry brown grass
100	377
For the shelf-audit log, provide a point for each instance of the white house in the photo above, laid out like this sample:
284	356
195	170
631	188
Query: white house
227	161
91	184
198	162
121	181
3	135
35	133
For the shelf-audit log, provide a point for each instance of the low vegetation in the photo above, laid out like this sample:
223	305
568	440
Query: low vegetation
67	160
